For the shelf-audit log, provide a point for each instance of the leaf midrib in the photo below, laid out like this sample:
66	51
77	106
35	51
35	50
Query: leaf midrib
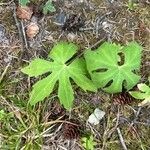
57	74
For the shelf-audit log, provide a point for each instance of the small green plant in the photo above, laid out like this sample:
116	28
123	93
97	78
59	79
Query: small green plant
143	94
23	2
4	116
61	71
131	5
48	7
112	66
88	142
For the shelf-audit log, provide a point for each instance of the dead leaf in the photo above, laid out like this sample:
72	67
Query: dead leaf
24	12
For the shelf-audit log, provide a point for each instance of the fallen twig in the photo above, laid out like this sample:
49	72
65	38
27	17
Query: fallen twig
136	116
18	26
5	71
24	35
58	121
121	139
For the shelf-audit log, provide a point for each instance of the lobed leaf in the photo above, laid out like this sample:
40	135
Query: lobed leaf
105	70
144	94
61	71
144	91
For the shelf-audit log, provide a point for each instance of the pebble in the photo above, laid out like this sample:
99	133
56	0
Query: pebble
60	19
71	37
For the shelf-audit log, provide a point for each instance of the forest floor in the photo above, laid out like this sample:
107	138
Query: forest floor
124	127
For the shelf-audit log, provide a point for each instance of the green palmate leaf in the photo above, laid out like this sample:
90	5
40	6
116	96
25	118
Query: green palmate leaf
23	2
60	71
110	66
48	7
144	94
88	142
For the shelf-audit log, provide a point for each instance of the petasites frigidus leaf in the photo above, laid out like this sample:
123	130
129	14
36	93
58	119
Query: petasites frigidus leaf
112	66
62	71
142	93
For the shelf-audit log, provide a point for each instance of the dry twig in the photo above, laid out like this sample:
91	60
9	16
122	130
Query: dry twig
18	26
4	73
24	35
121	139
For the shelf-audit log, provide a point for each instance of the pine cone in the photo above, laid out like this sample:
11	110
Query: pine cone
122	99
73	23
71	131
32	30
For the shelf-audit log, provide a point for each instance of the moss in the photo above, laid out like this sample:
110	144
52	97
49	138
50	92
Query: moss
15	87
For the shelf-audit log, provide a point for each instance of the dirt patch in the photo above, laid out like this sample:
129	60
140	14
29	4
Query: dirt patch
96	22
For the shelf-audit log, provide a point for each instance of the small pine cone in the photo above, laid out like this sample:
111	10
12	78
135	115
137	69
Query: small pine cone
32	30
122	99
71	131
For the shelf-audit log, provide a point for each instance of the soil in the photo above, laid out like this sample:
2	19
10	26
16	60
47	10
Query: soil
96	21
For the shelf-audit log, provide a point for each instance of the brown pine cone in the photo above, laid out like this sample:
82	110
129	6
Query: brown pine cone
122	99
71	131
